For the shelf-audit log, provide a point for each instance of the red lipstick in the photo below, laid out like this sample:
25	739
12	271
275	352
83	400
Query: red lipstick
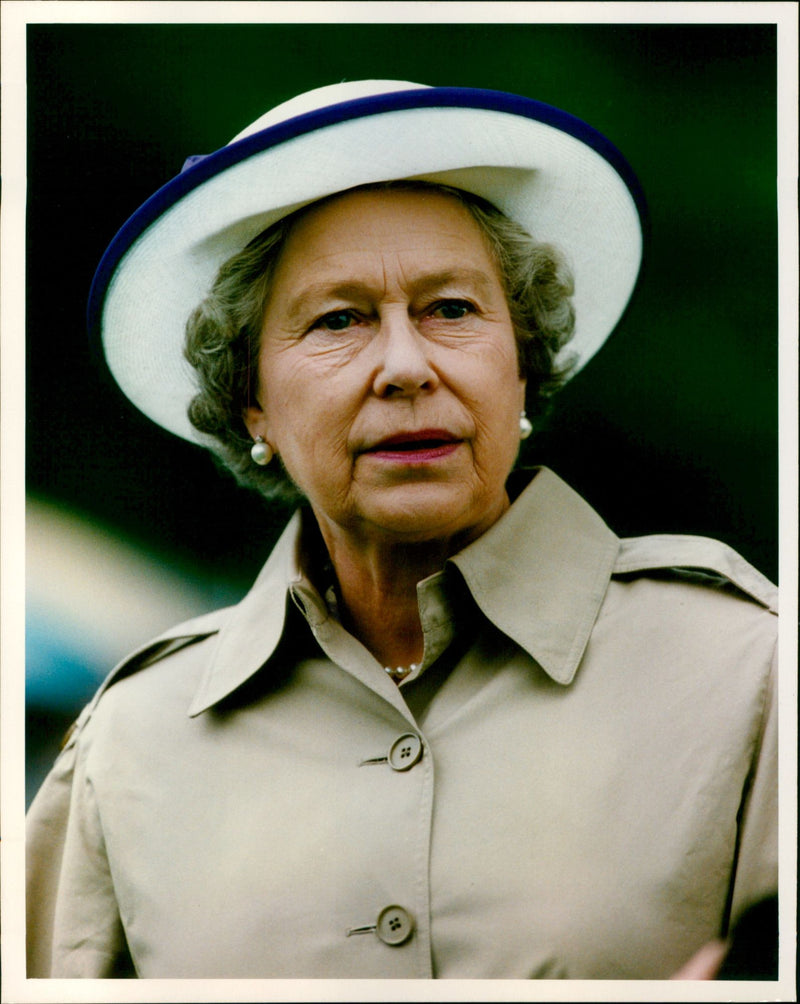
417	447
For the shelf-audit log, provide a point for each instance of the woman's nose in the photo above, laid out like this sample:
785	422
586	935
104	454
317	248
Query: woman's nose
404	367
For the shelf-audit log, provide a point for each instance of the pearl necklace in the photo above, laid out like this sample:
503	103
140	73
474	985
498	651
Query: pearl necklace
399	673
396	673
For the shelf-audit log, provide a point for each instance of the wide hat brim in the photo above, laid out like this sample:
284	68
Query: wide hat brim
554	174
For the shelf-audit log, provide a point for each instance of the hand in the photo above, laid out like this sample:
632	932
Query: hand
705	964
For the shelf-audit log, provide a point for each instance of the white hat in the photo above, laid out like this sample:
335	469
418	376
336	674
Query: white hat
558	177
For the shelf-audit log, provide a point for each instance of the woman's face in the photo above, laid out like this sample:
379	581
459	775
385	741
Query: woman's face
388	378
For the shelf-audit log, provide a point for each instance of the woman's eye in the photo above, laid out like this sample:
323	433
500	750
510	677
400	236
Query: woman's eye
338	320
453	310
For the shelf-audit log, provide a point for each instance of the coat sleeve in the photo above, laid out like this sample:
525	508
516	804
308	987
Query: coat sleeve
756	874
73	924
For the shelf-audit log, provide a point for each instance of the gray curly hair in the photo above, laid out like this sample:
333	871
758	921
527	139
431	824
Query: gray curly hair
223	334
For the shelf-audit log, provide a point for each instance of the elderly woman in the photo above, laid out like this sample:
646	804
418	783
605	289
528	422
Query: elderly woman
457	728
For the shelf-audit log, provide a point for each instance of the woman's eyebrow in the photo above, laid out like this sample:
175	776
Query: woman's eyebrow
474	278
315	295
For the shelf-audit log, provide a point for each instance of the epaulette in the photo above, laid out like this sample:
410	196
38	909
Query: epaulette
704	557
173	640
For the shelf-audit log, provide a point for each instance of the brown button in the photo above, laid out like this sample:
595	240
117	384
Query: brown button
405	751
395	925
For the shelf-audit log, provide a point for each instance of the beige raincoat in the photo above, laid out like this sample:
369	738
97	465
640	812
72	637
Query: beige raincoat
580	782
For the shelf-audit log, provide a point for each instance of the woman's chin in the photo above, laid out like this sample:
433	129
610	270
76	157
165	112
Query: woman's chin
430	512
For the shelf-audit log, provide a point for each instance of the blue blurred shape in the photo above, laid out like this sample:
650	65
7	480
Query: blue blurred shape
91	598
58	674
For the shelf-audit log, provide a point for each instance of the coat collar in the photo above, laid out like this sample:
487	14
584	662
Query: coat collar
252	631
539	574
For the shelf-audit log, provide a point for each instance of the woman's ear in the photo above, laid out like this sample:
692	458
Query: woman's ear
255	420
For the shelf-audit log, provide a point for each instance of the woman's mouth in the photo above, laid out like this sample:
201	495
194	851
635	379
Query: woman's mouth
420	447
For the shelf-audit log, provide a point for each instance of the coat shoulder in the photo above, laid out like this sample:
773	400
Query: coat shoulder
702	560
176	639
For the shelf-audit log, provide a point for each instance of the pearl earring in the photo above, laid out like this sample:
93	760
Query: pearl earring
261	452
525	427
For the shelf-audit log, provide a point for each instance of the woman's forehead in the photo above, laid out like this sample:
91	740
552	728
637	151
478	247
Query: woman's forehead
385	213
368	231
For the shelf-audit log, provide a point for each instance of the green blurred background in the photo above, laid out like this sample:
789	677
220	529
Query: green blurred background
671	428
